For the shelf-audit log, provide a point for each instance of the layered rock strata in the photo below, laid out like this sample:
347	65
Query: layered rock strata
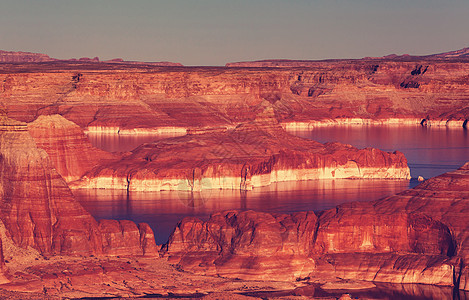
39	210
131	98
251	155
417	236
68	148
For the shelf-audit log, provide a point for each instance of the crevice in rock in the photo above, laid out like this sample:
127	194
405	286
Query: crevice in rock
457	272
316	231
410	85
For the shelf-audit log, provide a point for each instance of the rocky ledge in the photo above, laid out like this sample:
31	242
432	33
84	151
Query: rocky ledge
251	155
130	98
417	236
68	148
39	213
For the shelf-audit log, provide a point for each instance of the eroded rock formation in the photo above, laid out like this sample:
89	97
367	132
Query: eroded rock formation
68	148
39	210
250	155
417	236
128	98
245	245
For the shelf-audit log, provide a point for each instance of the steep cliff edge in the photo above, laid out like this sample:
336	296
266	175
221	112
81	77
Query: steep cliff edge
251	155
39	210
417	236
68	148
132	98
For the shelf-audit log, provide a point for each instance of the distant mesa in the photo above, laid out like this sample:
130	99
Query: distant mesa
462	54
29	57
23	57
457	54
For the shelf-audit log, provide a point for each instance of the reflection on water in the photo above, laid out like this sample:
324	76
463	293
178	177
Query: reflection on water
162	210
123	142
383	291
430	151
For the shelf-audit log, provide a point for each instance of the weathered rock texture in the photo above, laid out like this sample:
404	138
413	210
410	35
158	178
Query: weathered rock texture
251	155
129	98
417	236
68	148
39	210
245	245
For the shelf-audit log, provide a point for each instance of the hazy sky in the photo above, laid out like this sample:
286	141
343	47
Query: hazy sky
213	32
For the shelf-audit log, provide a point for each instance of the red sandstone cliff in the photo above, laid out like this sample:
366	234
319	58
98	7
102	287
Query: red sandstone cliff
68	148
251	155
132	98
39	210
417	236
245	245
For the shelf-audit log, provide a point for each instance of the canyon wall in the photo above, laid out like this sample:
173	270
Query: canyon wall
251	155
67	146
39	210
417	236
132	98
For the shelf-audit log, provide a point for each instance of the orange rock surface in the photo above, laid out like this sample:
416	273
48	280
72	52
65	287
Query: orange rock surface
251	155
39	210
130	98
417	236
68	148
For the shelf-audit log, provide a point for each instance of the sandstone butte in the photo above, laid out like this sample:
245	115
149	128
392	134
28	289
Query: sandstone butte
251	155
67	146
417	236
128	98
38	210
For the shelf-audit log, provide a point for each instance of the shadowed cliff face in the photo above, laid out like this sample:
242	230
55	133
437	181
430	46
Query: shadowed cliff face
128	98
39	210
250	155
417	236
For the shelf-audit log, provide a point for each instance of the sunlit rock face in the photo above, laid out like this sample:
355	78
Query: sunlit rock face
251	155
39	210
245	245
124	98
68	148
417	236
126	238
444	198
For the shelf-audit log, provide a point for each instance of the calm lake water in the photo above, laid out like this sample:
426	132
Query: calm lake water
430	152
